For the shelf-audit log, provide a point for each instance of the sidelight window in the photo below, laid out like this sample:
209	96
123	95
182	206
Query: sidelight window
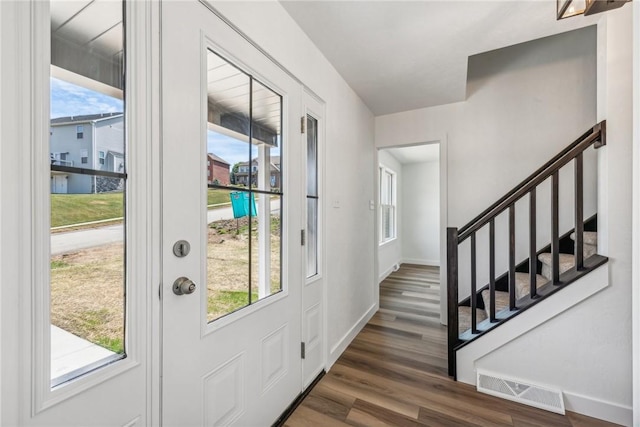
88	214
312	197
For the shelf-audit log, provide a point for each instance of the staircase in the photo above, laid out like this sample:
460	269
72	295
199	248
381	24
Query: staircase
566	259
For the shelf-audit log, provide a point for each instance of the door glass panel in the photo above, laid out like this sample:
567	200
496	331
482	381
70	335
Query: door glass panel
88	188
243	206
312	197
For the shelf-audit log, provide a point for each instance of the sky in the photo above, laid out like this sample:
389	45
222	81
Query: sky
229	149
68	99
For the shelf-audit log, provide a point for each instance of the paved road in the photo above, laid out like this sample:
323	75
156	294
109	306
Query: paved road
92	237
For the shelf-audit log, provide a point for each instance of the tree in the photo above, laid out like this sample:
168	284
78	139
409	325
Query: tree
234	171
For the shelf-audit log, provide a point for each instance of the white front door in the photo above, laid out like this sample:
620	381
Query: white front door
231	340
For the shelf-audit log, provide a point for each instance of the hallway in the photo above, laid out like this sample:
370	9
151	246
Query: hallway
394	373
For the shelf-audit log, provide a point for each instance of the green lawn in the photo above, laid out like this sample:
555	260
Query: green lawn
69	209
215	197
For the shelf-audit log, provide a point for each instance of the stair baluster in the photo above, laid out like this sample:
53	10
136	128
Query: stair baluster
533	258
512	257
555	238
492	271
474	298
579	211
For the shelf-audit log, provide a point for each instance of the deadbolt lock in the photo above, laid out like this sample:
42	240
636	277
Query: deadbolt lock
181	248
183	286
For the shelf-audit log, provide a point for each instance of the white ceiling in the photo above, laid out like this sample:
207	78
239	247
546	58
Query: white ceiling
403	55
416	153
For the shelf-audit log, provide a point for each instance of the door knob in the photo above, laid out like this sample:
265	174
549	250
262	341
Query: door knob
183	286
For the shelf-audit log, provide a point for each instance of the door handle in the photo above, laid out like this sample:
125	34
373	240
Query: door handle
183	286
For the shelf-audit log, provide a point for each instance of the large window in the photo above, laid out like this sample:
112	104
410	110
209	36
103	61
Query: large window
88	215
387	205
244	122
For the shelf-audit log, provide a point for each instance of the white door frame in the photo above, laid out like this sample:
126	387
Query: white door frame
635	260
314	106
444	219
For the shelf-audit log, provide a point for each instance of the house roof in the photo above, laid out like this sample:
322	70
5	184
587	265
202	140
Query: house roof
219	159
275	160
84	118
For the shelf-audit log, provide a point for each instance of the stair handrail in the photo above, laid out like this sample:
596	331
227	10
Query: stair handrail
597	135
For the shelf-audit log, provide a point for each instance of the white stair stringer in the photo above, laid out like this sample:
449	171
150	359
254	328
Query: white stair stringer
531	318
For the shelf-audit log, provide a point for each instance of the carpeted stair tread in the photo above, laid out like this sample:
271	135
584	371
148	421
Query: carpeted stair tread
590	240
588	237
522	283
464	318
502	300
567	262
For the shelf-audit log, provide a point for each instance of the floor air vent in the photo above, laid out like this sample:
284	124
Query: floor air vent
527	394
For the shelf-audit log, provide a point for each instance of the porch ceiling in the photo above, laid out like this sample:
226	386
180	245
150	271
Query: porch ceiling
403	55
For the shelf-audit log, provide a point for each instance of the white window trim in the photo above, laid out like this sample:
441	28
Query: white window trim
382	169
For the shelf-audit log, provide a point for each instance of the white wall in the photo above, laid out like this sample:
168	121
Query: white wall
349	237
390	253
511	123
421	213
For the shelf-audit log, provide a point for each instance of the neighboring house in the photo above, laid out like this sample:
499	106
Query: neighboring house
93	141
242	175
217	170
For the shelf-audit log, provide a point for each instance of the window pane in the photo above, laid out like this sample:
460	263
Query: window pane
266	247
312	156
228	252
87	285
267	114
312	237
386	222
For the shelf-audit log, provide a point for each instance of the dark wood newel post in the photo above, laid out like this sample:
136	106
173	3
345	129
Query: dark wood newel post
452	297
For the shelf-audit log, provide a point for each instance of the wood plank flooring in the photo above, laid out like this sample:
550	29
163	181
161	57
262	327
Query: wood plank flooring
394	373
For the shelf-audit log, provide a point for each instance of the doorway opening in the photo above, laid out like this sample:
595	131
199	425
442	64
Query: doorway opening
409	232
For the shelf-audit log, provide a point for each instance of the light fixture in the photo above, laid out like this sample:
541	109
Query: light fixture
568	8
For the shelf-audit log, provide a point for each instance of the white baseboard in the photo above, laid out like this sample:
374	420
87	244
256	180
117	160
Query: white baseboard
422	261
346	339
386	274
597	408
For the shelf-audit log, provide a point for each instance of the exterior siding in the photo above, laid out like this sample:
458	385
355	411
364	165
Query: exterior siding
219	171
104	135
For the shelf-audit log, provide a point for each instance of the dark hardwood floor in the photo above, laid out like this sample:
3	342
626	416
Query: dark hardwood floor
395	372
